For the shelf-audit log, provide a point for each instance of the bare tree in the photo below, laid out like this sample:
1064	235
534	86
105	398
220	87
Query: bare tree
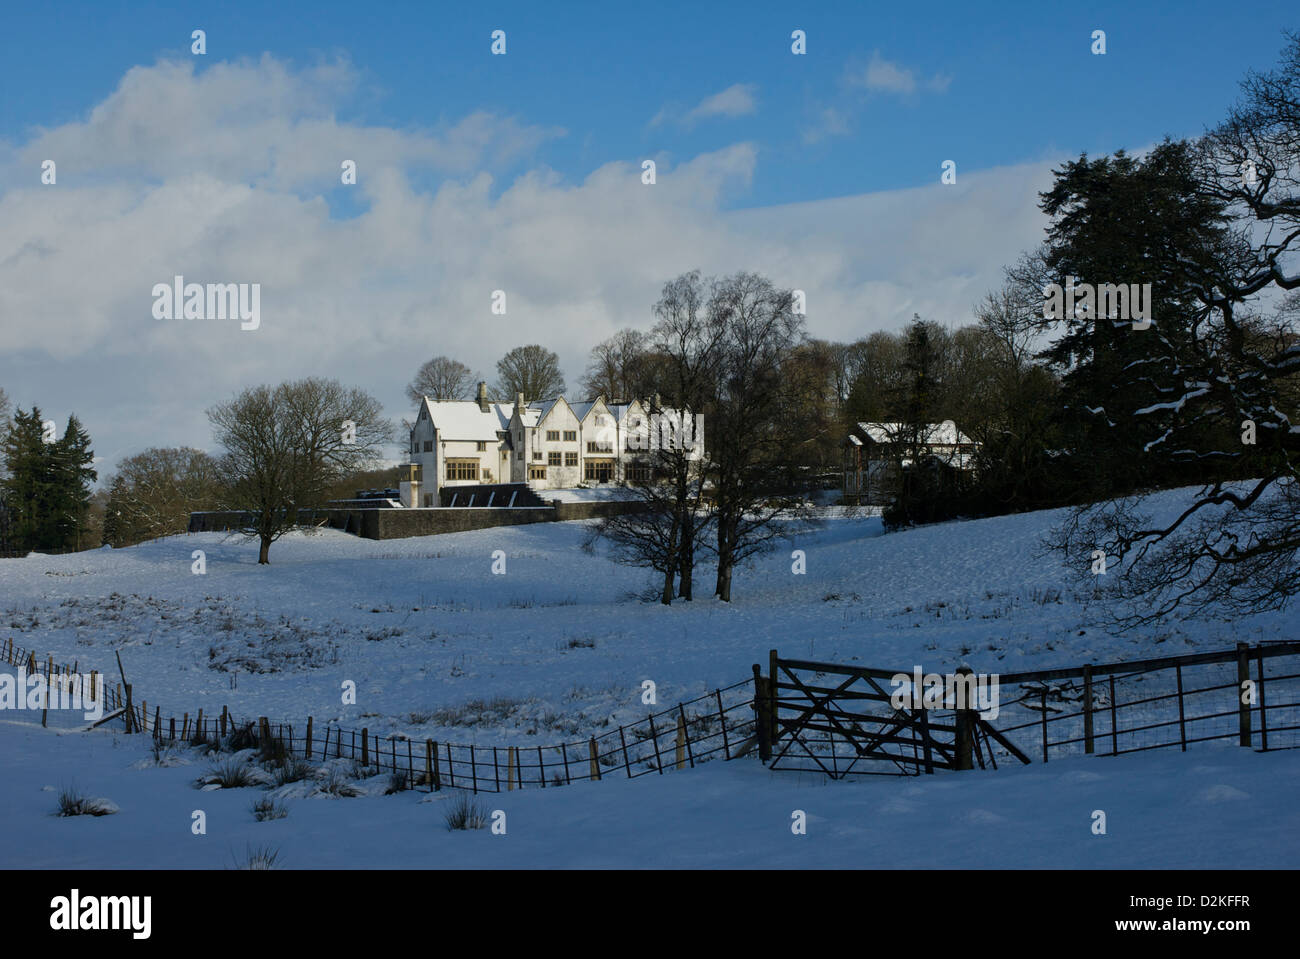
618	367
286	445
673	520
750	466
532	370
441	378
153	493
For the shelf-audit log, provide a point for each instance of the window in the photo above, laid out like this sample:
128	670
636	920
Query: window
595	447
482	447
462	469
428	499
537	454
601	471
428	446
552	459
537	472
570	459
552	436
570	436
638	473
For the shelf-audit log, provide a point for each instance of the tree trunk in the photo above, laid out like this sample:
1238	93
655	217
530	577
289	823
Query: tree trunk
666	597
263	555
725	542
687	561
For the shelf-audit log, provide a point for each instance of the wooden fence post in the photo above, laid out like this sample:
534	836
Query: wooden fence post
964	722
157	722
94	685
773	686
1182	718
761	726
309	720
1114	729
224	713
564	752
365	746
437	779
128	708
685	738
172	721
1263	709
541	768
510	769
428	763
655	737
451	767
722	718
1087	709
1243	705
473	770
591	753
627	766
1043	702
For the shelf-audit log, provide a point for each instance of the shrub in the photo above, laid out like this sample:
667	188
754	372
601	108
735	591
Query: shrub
72	803
259	858
267	808
295	770
230	774
336	783
466	813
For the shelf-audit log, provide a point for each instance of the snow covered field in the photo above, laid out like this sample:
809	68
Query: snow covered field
557	648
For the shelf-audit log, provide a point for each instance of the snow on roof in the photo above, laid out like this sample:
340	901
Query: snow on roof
935	434
464	420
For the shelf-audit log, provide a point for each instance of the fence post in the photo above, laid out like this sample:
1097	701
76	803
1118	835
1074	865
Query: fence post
1182	720
627	766
428	763
1087	708
1263	709
128	708
94	685
365	746
1043	702
510	769
564	752
591	752
722	718
224	712
473	769
308	756
437	778
1243	706
655	737
761	726
451	767
685	739
964	722
1114	730
157	722
773	694
172	733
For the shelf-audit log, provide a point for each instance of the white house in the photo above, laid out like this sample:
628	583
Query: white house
552	444
871	450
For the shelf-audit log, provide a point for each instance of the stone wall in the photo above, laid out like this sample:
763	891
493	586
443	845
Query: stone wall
399	523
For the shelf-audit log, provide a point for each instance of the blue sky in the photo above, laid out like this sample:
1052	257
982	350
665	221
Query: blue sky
1022	82
522	173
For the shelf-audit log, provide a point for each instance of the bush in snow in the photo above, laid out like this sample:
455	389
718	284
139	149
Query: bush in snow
267	808
230	774
72	803
466	813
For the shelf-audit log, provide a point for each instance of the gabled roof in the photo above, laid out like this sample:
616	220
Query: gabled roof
934	434
464	420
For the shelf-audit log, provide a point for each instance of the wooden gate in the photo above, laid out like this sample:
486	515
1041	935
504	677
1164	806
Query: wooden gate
839	720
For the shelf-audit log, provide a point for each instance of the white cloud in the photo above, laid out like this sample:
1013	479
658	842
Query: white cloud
366	299
886	76
737	100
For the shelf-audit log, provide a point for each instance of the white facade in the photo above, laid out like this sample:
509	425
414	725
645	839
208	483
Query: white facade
548	445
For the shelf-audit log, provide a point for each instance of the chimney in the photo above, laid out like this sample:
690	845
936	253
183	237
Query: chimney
519	403
482	397
658	403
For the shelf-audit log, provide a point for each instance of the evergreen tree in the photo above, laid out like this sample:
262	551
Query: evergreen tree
1122	220
47	486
